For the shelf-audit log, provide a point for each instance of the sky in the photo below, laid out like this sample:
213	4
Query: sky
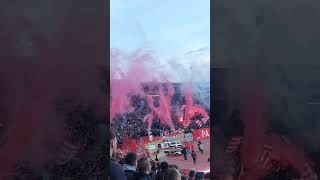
177	31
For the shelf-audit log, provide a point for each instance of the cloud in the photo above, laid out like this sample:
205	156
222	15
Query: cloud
178	33
191	66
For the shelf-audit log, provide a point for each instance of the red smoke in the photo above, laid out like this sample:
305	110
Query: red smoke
164	109
30	97
124	83
252	107
130	81
128	72
188	106
191	109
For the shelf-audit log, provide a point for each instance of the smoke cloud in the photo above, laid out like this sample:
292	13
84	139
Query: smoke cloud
272	43
39	69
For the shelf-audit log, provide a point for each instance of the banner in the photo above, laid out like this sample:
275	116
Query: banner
201	134
177	137
152	143
147	140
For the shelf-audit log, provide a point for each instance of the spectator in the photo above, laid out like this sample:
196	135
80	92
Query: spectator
175	166
153	169
116	170
199	175
172	174
130	165
163	168
184	178
120	157
144	169
192	175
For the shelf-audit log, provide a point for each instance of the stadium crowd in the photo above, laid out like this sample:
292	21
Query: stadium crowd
131	125
132	167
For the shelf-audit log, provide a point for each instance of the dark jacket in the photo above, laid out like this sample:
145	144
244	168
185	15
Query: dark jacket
130	171
131	175
116	171
160	175
143	176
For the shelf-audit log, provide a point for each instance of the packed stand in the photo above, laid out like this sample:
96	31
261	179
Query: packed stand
130	124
